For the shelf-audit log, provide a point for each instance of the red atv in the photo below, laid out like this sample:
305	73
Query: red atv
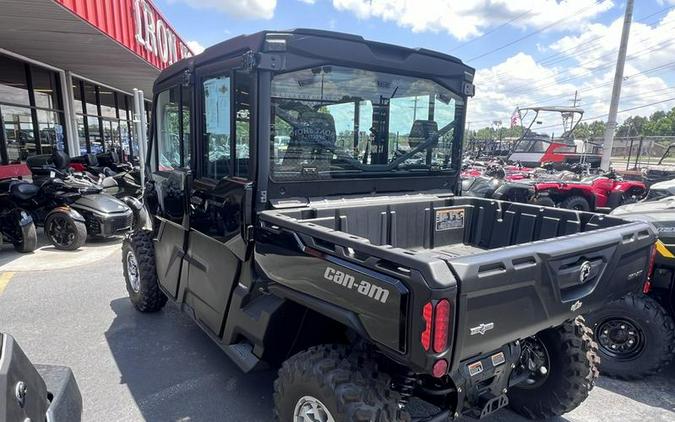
594	193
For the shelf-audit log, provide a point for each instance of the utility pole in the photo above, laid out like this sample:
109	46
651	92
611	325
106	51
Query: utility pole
616	90
576	99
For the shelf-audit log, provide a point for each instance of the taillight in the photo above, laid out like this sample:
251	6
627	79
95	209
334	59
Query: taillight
650	270
436	325
426	334
441	325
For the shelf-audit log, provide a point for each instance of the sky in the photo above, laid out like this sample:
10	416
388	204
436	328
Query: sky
525	52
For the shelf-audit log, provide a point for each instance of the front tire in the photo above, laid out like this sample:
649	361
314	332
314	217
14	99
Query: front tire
64	232
544	201
332	383
577	203
571	374
140	273
635	335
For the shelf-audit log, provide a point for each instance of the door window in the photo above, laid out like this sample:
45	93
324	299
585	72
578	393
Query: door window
242	129
217	117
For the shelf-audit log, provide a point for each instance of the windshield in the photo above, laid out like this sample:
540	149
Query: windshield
335	122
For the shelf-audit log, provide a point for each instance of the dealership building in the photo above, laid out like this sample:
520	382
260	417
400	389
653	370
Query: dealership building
68	69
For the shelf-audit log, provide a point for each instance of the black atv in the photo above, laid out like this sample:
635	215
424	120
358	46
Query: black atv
636	334
343	257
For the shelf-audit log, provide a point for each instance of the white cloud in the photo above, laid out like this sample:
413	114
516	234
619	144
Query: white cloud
584	63
470	18
308	1
252	9
195	46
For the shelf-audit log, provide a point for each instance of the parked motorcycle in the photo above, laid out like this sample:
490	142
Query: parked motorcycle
117	178
17	226
67	206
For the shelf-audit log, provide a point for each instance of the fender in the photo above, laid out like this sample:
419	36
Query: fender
141	215
68	210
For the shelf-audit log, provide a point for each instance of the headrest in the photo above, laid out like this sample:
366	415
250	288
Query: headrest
60	160
421	130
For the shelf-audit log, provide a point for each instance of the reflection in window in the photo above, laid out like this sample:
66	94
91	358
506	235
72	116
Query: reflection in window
186	100
51	131
217	124
108	108
45	88
13	84
19	133
90	99
168	129
334	121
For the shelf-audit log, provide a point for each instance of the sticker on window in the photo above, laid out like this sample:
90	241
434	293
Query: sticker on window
449	219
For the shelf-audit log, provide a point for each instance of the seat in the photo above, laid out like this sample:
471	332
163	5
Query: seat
23	190
311	142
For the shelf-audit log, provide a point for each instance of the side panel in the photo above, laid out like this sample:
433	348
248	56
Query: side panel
378	300
169	254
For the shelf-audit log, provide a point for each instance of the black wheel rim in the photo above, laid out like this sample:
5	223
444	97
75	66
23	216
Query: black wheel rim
535	362
61	231
620	338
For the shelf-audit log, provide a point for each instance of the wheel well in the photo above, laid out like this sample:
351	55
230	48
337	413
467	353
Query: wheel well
299	328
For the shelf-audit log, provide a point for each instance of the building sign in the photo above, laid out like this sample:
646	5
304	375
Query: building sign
155	36
135	24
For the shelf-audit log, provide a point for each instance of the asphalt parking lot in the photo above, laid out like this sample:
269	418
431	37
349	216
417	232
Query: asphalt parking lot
161	367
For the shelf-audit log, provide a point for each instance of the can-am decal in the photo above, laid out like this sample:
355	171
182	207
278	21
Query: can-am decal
364	287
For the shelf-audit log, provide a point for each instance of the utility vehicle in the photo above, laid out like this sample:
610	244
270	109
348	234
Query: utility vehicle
345	257
534	149
636	334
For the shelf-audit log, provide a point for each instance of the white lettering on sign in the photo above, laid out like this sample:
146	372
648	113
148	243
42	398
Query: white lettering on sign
153	34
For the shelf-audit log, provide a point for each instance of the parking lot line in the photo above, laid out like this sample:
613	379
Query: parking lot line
4	280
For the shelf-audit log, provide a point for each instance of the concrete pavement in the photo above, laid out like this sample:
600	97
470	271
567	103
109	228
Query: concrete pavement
161	367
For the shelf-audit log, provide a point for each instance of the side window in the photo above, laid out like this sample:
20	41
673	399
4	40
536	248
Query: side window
168	129
242	104
186	103
217	112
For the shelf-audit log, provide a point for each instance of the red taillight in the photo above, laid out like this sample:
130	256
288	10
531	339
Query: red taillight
426	334
440	368
441	325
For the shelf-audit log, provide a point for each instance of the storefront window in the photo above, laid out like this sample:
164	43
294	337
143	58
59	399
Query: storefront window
111	129
13	84
19	132
45	88
32	114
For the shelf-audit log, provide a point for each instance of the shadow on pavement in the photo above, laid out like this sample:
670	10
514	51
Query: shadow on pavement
175	372
656	391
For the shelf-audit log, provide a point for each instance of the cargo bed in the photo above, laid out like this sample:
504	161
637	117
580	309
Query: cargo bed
515	267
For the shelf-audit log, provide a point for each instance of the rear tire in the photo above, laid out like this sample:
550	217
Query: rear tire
643	347
140	273
345	384
64	231
571	376
577	203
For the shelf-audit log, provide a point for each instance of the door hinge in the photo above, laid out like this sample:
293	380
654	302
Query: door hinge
248	61
250	233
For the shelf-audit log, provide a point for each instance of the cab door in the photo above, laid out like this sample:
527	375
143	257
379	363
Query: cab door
221	200
170	180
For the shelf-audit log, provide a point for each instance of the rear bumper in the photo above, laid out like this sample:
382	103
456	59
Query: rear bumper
66	402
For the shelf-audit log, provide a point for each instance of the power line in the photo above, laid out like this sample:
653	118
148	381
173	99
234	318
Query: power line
510	21
544	61
538	31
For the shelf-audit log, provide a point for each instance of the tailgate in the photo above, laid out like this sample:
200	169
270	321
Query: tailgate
514	292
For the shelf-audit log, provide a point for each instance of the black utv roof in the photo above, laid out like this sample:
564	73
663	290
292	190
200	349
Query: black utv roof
302	48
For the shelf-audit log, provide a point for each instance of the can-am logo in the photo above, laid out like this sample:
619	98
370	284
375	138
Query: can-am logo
364	287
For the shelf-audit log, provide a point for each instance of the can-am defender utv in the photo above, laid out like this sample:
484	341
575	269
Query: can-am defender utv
636	334
300	187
